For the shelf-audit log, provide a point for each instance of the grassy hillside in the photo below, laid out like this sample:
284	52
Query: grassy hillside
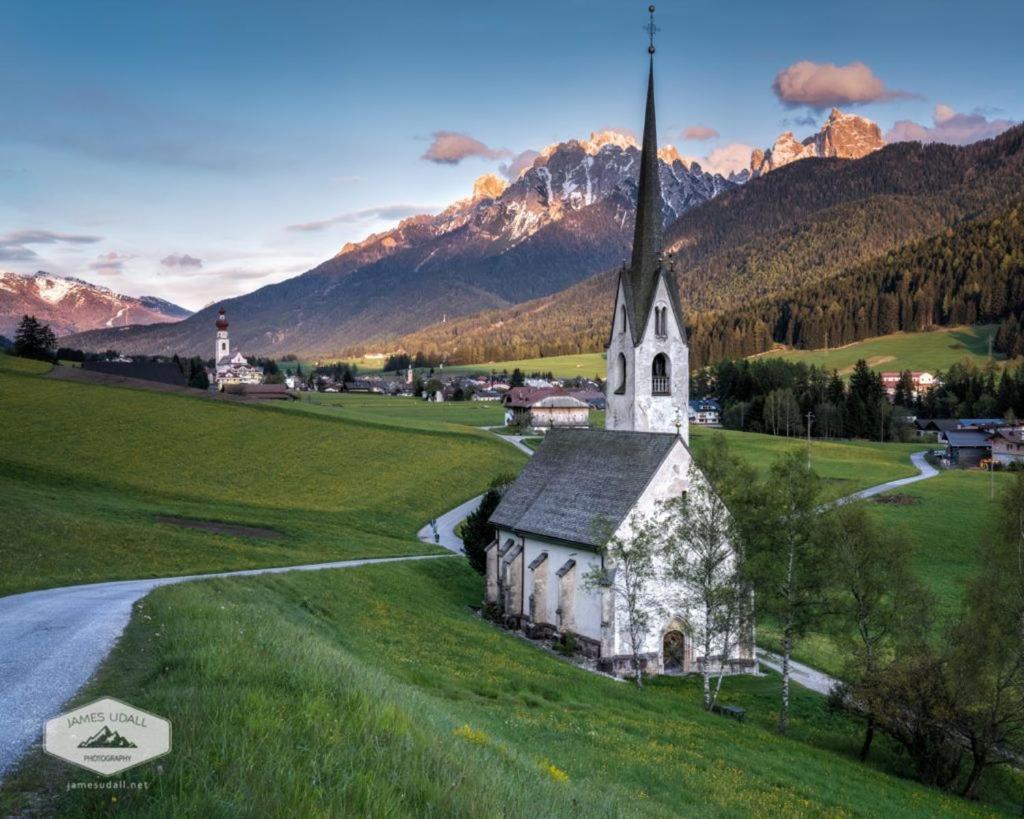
585	365
375	692
85	472
845	466
931	351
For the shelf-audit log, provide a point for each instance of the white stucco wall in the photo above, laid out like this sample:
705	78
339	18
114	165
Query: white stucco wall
637	409
592	612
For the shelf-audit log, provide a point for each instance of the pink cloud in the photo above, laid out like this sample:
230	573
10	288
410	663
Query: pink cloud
450	148
699	132
514	168
948	126
823	85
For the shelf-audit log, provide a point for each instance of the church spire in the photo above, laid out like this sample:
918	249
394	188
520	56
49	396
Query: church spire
647	231
645	266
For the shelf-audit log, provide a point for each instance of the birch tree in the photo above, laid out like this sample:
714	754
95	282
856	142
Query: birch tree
786	557
878	605
629	573
699	558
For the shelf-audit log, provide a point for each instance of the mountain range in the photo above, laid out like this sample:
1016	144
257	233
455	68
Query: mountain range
71	305
564	218
525	268
799	226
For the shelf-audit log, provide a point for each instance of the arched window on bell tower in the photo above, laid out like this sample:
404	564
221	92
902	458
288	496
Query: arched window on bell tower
620	366
622	323
661	380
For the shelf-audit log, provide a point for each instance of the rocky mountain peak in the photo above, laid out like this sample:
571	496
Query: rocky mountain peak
489	186
846	136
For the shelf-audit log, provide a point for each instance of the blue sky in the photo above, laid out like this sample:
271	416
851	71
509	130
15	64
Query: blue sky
167	148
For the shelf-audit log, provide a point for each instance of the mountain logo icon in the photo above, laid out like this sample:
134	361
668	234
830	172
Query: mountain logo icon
105	738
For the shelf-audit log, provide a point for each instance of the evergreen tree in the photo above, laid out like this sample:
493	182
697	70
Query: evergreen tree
34	339
477	533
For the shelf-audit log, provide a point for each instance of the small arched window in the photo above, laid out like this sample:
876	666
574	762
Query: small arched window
661	321
622	323
621	367
661	375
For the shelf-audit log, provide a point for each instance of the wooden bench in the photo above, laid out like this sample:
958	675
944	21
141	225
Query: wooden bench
733	711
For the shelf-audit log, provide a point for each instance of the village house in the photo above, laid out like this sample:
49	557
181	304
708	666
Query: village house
544	408
553	522
1007	445
705	412
922	382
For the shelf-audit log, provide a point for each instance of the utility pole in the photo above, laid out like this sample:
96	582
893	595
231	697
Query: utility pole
810	419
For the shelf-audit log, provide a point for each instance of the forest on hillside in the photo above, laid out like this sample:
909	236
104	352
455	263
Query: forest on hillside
778	245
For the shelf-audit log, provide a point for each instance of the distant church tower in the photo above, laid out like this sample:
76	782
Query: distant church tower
223	344
648	386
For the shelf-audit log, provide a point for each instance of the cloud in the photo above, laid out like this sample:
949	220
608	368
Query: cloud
181	260
949	126
14	246
823	85
698	132
519	163
450	148
110	264
383	213
726	159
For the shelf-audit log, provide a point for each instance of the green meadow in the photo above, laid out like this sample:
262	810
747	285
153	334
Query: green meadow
376	692
407	413
845	466
930	351
86	471
584	365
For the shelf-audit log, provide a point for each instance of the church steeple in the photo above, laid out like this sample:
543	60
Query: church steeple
648	382
647	237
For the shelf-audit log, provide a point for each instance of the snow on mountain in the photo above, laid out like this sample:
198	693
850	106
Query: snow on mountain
70	305
846	136
565	217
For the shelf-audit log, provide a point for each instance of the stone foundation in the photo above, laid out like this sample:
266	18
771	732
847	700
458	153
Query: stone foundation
621	665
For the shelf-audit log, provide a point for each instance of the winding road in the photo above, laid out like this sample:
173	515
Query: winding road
52	641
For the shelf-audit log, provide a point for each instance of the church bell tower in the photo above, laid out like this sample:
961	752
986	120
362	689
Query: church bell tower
648	359
223	344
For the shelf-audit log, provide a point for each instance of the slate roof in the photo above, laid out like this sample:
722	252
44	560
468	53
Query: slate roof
966	438
580	479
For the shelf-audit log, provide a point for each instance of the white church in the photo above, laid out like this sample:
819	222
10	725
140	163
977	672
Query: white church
547	521
228	368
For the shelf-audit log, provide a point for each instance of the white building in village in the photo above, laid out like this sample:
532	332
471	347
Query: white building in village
231	369
582	480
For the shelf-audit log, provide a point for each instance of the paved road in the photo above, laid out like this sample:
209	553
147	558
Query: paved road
52	641
925	471
799	673
446	526
515	440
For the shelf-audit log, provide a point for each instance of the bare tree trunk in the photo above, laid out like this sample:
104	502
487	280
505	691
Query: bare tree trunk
978	758
869	735
636	671
787	646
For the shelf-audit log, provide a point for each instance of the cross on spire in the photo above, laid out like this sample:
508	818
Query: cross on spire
651	29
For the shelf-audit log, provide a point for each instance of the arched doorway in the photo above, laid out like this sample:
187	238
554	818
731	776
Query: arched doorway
674	652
